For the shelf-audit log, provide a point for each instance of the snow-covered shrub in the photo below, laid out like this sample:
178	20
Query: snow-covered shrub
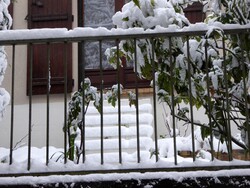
5	23
181	65
236	64
74	126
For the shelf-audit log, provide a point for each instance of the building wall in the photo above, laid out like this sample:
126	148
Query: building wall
19	22
56	101
21	99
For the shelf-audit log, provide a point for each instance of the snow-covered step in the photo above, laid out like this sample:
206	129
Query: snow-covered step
114	157
144	107
112	119
111	129
113	144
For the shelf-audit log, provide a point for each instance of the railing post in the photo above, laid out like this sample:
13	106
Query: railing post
101	102
228	124
154	100
48	101
209	102
172	65
119	101
65	64
12	102
137	105
30	104
246	94
190	98
83	108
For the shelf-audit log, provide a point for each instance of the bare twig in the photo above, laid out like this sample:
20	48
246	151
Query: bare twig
19	143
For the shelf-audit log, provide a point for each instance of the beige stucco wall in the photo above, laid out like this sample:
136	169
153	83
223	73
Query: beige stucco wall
19	22
21	99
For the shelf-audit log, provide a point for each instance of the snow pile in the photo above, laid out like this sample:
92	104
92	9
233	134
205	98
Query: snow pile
4	101
5	23
202	146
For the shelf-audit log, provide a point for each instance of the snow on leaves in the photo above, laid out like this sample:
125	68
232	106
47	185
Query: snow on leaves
5	23
197	67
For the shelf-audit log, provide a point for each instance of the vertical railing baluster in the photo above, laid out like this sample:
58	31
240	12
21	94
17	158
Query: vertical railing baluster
48	97
30	104
172	99
83	108
209	108
154	100
190	99
119	101
228	124
101	101
65	64
137	105
12	102
245	89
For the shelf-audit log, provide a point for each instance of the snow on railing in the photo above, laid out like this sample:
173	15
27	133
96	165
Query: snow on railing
24	36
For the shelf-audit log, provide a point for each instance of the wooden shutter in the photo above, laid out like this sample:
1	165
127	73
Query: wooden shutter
50	14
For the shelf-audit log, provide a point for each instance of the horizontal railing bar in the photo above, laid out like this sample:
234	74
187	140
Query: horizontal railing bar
13	36
129	170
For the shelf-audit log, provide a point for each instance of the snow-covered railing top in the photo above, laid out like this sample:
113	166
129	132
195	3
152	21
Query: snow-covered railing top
24	36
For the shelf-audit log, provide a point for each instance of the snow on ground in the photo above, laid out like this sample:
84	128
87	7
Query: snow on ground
38	165
111	161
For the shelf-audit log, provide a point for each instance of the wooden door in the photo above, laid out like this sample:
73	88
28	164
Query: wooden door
50	14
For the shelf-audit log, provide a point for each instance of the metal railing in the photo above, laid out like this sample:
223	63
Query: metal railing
32	37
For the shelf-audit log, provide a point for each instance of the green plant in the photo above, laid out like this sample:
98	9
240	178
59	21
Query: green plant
75	125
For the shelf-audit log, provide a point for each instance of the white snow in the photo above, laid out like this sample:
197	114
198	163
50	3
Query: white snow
178	176
86	32
157	21
4	101
5	23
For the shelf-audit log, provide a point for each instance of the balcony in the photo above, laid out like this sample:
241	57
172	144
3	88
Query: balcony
153	135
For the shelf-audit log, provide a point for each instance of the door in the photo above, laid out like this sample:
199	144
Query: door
50	14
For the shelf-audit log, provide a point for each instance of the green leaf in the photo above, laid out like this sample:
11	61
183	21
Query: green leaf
125	19
152	3
205	132
137	3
